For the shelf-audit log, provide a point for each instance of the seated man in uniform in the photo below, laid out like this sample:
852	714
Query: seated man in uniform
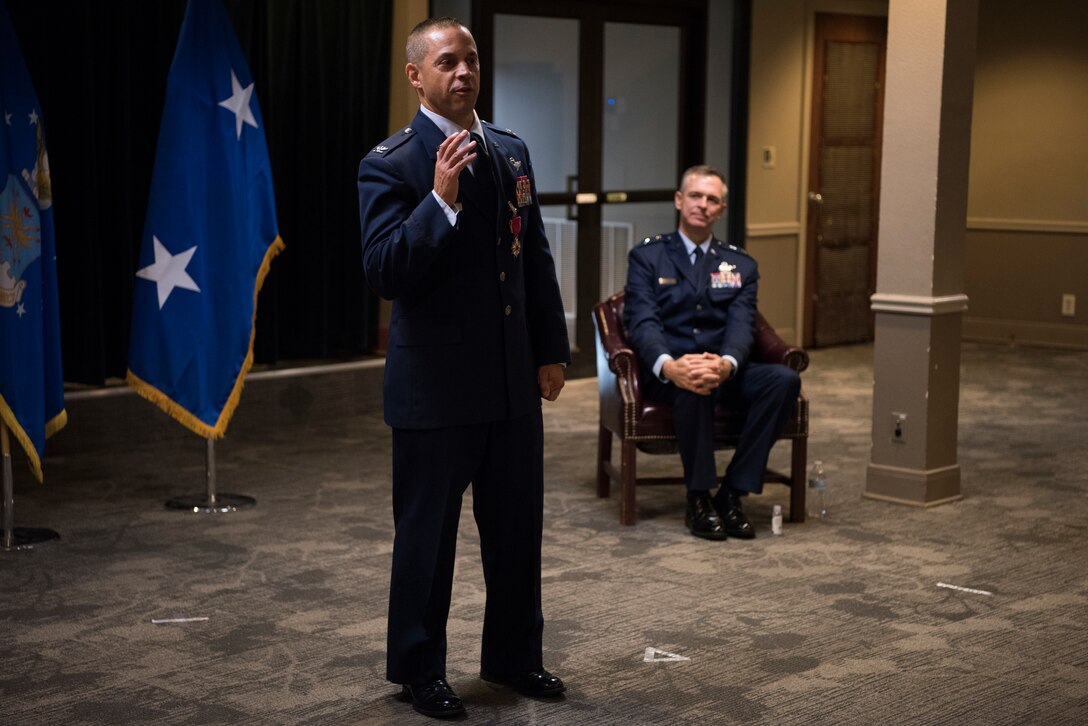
690	305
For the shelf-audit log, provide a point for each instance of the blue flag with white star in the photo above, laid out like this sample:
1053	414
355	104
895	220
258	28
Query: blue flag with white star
31	382
210	233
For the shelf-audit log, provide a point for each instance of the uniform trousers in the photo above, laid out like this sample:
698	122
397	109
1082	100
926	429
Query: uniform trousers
764	392
432	468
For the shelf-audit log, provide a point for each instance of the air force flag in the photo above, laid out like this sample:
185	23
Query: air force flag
210	233
31	382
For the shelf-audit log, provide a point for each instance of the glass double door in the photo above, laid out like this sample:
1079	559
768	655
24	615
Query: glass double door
611	109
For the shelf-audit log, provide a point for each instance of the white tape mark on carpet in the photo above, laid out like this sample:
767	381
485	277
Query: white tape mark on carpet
163	621
653	655
964	589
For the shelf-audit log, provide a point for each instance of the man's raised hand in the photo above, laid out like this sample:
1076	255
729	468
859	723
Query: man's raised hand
450	162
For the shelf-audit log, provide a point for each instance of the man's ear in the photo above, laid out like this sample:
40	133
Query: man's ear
678	200
412	72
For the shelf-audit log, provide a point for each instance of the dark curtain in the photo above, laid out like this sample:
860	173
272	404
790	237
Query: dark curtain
322	80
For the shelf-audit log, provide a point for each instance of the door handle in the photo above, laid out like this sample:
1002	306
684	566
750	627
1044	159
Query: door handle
816	197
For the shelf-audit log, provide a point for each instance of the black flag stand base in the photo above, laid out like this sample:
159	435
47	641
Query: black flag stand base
211	502
14	538
24	538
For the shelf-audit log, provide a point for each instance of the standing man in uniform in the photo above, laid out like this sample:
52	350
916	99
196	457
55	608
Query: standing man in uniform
689	308
452	233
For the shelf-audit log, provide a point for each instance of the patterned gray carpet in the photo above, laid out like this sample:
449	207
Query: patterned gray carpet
839	621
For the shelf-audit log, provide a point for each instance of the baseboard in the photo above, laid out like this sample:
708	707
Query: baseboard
1024	332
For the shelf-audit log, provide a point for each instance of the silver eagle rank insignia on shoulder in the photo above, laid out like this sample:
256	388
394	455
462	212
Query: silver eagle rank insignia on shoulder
393	141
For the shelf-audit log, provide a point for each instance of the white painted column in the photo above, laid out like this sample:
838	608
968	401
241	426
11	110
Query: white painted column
920	301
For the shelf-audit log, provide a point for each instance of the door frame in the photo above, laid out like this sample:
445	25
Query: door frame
691	17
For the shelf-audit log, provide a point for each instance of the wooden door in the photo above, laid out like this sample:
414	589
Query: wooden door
844	177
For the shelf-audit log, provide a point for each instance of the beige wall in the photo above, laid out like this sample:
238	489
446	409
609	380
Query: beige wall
1027	240
403	102
1014	286
775	115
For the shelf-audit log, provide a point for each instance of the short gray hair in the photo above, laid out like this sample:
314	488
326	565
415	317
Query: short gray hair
702	170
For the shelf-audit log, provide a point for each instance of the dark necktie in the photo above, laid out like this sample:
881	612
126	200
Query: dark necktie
482	172
481	154
699	270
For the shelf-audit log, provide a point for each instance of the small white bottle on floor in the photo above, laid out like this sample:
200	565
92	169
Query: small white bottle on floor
776	519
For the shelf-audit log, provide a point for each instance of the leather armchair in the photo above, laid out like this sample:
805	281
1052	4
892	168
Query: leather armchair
647	426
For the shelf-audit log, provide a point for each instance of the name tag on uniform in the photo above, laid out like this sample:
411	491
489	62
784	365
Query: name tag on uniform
666	281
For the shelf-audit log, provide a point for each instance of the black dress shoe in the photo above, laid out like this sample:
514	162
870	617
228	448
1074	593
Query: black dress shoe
702	519
434	698
531	683
734	520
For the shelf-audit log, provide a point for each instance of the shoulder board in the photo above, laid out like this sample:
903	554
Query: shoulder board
739	250
499	130
393	142
655	238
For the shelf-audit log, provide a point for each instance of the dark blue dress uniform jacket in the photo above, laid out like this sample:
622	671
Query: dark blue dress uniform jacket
471	322
674	307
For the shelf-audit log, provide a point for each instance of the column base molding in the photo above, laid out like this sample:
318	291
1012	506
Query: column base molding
913	487
918	304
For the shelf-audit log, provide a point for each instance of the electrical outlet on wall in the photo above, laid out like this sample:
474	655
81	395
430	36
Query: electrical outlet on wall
1069	305
899	428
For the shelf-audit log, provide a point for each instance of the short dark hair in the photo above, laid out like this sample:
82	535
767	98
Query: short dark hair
416	48
702	170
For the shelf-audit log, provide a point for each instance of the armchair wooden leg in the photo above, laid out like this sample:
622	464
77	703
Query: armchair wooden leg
798	466
628	512
604	455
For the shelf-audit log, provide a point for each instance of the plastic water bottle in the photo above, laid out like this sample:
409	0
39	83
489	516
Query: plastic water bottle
817	491
776	519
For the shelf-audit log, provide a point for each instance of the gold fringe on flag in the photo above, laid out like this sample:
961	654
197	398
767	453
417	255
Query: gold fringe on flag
52	426
179	412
